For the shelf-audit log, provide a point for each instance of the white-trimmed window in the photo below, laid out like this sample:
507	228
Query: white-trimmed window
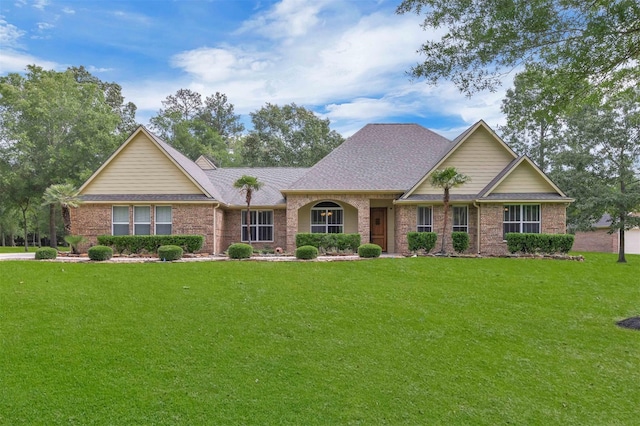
141	220
460	219
425	219
327	217
120	220
521	218
261	225
163	220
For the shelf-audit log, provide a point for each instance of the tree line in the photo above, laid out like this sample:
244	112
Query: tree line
57	128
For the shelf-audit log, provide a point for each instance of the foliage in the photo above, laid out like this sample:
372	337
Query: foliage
150	243
74	241
306	252
240	251
422	241
369	250
46	253
55	127
170	252
446	179
573	40
328	242
198	128
100	253
539	243
310	343
288	136
460	241
66	196
248	185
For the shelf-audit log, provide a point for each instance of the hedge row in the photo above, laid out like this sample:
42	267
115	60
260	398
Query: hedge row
329	241
422	240
539	243
150	243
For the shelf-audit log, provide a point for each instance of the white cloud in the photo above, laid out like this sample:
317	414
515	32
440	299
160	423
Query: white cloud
12	61
40	4
68	11
9	34
43	26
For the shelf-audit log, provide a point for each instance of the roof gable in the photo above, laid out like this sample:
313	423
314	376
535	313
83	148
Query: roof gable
478	153
143	164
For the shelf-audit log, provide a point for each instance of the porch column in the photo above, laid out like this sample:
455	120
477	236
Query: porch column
364	219
292	224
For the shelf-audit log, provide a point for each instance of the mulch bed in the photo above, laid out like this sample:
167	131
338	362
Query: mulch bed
632	323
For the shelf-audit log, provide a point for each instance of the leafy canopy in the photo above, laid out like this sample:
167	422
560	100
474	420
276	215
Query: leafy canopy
577	40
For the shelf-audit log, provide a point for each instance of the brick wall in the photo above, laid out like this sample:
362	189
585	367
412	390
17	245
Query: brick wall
91	220
230	231
599	240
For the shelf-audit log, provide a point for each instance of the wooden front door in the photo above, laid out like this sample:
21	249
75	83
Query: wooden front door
378	226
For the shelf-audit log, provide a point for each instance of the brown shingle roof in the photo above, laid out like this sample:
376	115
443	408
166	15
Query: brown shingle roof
377	157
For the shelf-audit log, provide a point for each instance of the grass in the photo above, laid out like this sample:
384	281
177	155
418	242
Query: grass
20	249
386	341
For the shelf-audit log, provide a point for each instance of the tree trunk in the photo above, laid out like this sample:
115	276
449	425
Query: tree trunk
66	219
53	238
24	221
446	214
621	257
248	220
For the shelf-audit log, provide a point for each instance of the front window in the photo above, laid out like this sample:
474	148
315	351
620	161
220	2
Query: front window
327	218
523	218
163	220
425	219
142	220
261	225
120	220
460	219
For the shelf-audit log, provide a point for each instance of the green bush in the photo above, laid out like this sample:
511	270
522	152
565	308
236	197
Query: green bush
150	243
539	243
170	252
240	251
306	252
460	241
369	250
422	240
329	241
100	253
46	253
74	241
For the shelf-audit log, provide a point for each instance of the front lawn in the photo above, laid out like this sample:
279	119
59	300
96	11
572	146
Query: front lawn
385	341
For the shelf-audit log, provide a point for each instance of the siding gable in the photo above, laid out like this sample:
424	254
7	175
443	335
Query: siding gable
140	167
481	156
524	179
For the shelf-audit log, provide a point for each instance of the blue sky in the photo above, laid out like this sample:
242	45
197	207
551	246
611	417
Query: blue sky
345	60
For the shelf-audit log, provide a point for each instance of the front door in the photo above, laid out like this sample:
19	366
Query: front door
378	226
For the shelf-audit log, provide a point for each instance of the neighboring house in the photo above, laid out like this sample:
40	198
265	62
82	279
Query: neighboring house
601	240
377	184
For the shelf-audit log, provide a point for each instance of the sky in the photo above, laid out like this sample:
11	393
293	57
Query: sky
346	60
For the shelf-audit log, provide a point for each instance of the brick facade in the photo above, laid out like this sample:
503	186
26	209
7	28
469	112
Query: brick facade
91	220
231	230
599	240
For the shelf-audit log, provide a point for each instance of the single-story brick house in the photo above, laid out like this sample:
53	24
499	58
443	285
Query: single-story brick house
377	183
600	239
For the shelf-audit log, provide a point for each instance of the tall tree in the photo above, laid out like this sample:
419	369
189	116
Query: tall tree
194	127
248	185
446	179
578	40
54	128
288	136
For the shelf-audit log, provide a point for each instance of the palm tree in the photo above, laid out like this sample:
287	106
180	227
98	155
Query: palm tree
66	196
247	185
447	179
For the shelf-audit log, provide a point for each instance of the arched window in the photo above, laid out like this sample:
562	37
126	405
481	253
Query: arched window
327	217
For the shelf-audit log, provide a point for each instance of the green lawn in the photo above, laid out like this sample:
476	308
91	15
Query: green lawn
386	341
20	249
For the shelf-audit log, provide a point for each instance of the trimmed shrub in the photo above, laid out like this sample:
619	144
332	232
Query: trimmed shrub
460	241
369	250
539	243
46	253
100	253
328	242
306	252
240	251
150	243
74	241
170	253
422	240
